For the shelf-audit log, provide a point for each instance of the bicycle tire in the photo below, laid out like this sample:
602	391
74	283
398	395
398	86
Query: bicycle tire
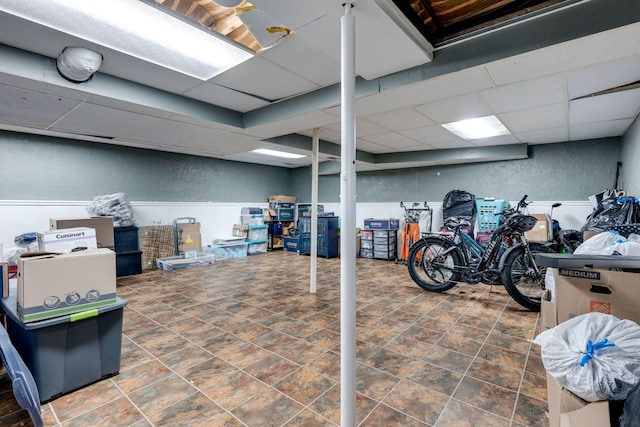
436	274
524	289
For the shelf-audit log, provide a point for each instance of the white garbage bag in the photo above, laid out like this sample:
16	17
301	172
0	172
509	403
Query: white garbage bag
600	244
595	356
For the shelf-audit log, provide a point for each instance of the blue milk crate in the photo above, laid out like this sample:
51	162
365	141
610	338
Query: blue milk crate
486	212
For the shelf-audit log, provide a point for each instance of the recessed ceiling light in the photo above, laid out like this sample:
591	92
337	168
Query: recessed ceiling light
137	29
276	153
481	127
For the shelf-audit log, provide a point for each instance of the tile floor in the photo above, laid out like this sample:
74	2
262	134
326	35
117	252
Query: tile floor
243	343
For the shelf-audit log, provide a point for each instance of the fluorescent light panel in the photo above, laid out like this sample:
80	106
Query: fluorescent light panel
481	127
137	29
276	153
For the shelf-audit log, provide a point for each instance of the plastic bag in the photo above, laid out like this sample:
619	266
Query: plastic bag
114	205
613	211
594	355
600	244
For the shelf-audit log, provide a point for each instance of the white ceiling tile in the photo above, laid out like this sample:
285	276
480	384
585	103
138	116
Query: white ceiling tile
392	140
299	56
224	97
295	124
551	116
585	51
29	108
119	104
599	129
522	95
262	78
589	80
371	147
324	134
170	132
363	128
457	108
111	123
431	135
544	136
616	105
404	118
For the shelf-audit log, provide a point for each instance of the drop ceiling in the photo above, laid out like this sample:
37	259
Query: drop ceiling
540	75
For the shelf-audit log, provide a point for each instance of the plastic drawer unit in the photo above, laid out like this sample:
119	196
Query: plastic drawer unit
68	352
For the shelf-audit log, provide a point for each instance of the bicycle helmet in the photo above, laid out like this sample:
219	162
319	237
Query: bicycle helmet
522	222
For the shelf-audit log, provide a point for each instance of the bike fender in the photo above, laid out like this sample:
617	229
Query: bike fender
506	254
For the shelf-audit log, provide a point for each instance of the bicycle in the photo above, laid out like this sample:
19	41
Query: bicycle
438	261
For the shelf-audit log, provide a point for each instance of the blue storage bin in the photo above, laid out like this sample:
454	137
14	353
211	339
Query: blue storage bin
486	211
68	352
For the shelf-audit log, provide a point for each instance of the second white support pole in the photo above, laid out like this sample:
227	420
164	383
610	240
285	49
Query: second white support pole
314	210
348	225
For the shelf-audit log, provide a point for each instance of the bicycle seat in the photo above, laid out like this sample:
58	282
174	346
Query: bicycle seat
455	223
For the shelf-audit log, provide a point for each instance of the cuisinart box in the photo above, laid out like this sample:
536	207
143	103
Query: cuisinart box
67	240
51	285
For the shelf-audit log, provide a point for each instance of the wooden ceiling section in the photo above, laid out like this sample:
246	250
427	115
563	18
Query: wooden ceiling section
441	21
222	20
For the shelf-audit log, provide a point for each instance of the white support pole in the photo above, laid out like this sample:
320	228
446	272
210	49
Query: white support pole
314	210
348	224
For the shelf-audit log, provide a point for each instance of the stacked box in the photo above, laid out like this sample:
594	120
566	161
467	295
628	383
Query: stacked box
102	224
128	253
52	285
67	240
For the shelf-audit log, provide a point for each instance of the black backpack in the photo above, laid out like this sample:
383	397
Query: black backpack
459	203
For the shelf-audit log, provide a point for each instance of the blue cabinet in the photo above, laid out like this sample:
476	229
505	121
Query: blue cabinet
327	236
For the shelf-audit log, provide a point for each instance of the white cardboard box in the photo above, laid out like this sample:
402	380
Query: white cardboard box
67	240
51	285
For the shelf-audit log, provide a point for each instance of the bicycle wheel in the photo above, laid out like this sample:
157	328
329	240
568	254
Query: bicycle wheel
430	267
523	284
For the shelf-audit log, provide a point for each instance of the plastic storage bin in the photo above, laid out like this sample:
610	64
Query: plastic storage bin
68	352
128	263
258	232
252	219
229	251
257	247
176	262
126	239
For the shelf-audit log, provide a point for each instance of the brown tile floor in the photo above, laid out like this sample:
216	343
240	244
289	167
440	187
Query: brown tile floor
243	343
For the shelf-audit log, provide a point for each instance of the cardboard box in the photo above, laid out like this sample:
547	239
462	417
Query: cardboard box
281	205
4	278
102	224
51	285
282	199
240	230
67	240
189	237
580	291
291	244
542	231
568	410
284	214
381	224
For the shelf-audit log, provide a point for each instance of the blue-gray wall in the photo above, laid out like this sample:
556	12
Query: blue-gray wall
630	181
44	168
562	171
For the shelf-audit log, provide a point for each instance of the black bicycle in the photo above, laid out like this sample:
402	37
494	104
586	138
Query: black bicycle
438	261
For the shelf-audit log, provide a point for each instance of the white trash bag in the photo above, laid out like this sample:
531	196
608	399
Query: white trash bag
600	244
595	356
